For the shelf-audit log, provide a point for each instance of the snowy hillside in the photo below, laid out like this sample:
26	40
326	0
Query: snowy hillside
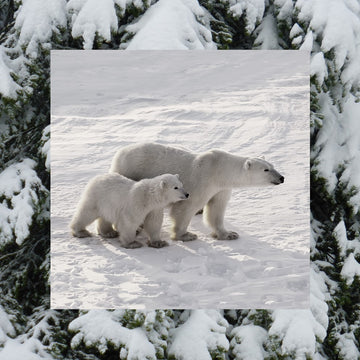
247	103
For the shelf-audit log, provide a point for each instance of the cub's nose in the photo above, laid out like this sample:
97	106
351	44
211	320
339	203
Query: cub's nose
282	179
187	195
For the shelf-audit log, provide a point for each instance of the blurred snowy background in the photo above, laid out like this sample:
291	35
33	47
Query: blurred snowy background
329	29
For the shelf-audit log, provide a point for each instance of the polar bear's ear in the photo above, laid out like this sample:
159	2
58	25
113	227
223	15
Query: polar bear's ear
262	157
162	184
247	164
177	175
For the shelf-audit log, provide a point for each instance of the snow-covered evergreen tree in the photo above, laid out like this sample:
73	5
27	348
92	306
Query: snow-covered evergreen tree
329	29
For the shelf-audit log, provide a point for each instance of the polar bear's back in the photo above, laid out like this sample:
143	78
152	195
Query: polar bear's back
148	160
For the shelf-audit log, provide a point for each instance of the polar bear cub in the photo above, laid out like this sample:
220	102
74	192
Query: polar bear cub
125	203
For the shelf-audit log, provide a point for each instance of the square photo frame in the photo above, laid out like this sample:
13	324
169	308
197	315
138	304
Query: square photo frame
240	104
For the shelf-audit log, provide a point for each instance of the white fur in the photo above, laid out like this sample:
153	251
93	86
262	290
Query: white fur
124	204
208	177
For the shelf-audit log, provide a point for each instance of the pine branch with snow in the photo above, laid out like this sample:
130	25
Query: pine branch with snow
200	336
329	29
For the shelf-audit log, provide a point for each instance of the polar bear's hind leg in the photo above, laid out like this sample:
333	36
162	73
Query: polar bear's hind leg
105	229
83	217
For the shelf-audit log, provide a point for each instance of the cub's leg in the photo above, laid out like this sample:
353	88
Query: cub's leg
152	226
214	212
105	229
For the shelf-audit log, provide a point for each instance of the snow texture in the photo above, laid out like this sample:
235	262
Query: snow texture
266	34
8	86
253	10
172	25
91	17
349	126
308	43
6	327
350	268
344	243
23	349
19	186
166	24
45	149
347	348
338	146
98	327
247	342
297	35
318	67
25	346
300	329
295	31
247	103
337	25
201	334
285	10
36	21
319	295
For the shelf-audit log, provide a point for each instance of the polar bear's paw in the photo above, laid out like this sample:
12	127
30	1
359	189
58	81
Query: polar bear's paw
158	244
110	234
81	233
133	245
229	235
188	236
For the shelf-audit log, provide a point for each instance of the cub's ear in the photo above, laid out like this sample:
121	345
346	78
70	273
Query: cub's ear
247	164
177	175
162	184
262	157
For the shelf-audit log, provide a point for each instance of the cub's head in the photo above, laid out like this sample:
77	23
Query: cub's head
173	187
261	173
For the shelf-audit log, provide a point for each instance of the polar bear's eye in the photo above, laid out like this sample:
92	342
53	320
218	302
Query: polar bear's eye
266	169
175	188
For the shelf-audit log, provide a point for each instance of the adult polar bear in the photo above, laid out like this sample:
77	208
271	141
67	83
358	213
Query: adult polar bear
208	177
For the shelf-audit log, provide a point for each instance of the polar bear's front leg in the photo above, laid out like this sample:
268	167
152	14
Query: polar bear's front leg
214	212
181	214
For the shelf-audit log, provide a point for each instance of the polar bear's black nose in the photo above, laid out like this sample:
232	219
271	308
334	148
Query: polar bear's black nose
282	179
186	195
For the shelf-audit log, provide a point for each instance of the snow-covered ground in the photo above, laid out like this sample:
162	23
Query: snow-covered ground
249	103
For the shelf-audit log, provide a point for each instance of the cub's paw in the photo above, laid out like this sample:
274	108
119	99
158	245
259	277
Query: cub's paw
157	244
110	234
81	233
229	235
188	236
133	245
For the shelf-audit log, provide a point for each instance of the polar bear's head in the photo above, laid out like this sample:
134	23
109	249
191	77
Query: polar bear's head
173	187
261	173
